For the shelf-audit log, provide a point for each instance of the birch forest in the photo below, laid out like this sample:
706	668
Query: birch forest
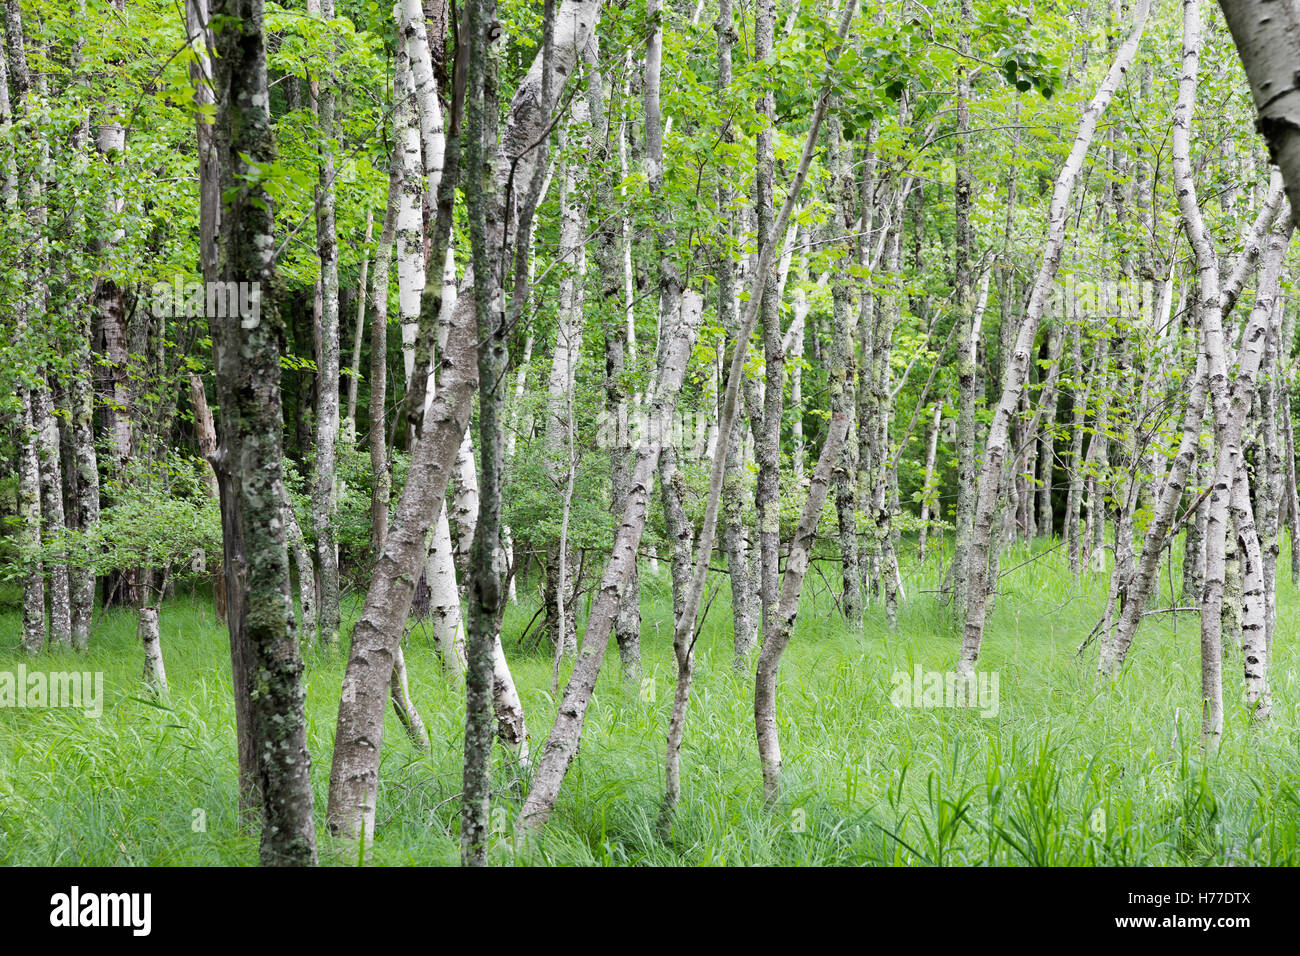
670	432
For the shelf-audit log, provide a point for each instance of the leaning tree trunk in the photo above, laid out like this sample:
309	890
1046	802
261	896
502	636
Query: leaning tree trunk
354	774
774	644
1017	372
562	745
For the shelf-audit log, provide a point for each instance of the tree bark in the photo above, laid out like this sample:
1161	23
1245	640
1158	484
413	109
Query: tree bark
843	374
324	485
485	602
967	336
605	256
774	644
1267	36
53	522
246	355
207	436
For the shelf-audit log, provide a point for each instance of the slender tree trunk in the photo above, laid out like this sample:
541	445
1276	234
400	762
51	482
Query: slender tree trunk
354	380
795	338
324	485
1081	395
207	436
967	335
86	509
928	488
605	255
843	399
882	505
431	155
774	644
155	674
1254	610
564	367
1270	483
377	440
1293	499
562	745
29	513
865	342
1047	454
767	496
486	602
306	569
516	425
736	481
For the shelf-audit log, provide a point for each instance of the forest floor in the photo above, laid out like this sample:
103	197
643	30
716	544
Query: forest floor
1064	773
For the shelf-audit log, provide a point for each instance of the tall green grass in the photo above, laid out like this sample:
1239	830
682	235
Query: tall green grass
1065	774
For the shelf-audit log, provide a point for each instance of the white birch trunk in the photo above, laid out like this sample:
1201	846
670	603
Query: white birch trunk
411	25
53	522
155	674
29	514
